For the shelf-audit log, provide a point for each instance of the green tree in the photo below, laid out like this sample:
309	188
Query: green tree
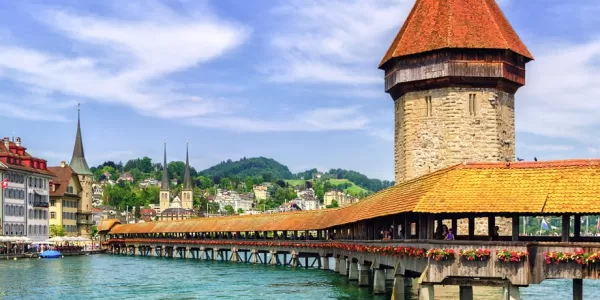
240	211
94	231
229	209
249	183
333	204
138	212
57	230
204	182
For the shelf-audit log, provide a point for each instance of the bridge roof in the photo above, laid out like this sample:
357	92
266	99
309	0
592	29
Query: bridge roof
568	186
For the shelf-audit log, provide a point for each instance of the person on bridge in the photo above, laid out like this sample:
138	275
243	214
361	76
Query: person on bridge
494	236
450	235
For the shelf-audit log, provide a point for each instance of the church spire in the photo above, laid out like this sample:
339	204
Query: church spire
187	179
165	176
78	162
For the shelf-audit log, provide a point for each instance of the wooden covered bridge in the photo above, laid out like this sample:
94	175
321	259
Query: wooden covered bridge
465	197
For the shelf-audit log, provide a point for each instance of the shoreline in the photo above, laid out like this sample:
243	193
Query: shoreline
37	255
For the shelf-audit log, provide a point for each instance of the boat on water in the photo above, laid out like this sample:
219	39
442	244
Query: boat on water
50	254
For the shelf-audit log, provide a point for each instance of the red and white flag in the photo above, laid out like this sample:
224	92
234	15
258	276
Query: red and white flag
5	183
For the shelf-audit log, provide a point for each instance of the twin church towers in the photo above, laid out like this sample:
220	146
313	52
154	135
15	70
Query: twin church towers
187	194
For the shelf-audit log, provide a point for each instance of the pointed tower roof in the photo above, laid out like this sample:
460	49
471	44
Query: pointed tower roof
165	176
187	179
78	162
471	24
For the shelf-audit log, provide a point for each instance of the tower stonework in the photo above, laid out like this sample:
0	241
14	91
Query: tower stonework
453	71
86	178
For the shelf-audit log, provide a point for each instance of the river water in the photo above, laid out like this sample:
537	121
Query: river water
120	277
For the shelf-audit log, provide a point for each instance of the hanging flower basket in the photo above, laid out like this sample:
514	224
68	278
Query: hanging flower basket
476	254
509	256
441	254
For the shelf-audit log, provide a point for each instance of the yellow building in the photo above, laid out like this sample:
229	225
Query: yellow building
260	192
65	197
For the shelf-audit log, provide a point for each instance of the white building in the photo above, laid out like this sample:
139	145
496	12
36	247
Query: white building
306	204
235	200
25	200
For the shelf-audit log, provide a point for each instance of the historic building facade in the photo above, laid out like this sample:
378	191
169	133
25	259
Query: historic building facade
453	88
187	192
86	179
65	198
25	197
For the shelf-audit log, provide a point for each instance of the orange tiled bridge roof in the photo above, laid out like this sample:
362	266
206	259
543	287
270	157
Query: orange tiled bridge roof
571	186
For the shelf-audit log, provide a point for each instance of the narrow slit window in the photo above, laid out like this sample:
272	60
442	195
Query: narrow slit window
472	105
428	107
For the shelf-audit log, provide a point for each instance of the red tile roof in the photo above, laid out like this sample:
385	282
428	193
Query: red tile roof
6	153
61	179
438	24
567	186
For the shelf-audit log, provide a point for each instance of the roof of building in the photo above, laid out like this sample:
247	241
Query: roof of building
147	212
460	24
78	162
62	178
107	224
26	156
568	186
174	211
164	185
187	179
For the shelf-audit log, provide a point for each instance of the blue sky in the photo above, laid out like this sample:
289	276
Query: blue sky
293	80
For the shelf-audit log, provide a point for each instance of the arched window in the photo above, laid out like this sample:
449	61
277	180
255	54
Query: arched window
29	229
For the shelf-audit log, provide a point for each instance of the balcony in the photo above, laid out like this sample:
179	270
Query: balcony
40	204
85	222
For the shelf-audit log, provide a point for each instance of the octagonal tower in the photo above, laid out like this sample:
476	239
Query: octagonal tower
453	71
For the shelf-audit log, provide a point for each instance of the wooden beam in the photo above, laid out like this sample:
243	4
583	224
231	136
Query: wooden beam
566	226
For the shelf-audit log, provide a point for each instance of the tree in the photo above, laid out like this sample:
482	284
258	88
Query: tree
57	230
240	211
94	231
138	212
229	209
249	183
333	204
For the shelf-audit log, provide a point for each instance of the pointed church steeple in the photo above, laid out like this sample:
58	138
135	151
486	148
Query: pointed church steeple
78	162
165	176
187	179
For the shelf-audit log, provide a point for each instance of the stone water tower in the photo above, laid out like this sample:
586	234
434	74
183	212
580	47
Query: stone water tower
453	71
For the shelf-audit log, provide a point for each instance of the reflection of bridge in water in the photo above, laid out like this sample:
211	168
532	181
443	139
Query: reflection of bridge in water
350	236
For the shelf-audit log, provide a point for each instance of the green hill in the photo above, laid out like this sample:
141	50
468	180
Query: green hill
268	168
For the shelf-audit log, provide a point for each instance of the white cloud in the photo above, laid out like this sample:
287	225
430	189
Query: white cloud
559	99
320	119
333	41
124	59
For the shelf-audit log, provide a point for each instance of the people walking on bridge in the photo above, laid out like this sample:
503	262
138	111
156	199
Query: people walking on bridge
450	235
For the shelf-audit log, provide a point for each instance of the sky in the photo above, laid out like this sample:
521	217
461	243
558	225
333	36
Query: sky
296	81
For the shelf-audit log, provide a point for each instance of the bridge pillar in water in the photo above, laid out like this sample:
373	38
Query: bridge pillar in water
273	257
343	267
234	255
363	275
254	255
152	251
465	292
512	292
338	264
202	253
135	250
426	292
294	260
163	250
378	281
390	274
352	270
577	289
325	264
187	252
402	286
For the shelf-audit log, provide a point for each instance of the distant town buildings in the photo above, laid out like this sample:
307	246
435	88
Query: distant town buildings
235	200
260	192
342	198
125	176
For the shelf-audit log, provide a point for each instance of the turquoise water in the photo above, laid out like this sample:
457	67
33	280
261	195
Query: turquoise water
112	277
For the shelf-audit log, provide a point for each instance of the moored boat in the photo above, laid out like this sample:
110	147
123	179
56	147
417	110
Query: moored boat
50	254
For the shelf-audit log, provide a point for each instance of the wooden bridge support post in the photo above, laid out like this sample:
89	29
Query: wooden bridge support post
566	226
343	267
202	253
363	275
187	252
465	292
378	281
338	263
402	286
254	255
294	256
511	292
273	257
325	263
135	250
353	271
162	251
152	251
426	292
577	289
234	255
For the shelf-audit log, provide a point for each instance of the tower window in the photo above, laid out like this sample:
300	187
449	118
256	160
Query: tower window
428	107
472	105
